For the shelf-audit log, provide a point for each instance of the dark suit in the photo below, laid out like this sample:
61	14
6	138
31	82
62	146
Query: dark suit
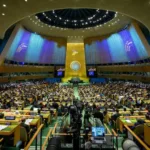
25	126
99	115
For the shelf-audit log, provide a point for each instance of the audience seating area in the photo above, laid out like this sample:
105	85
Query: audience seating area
30	108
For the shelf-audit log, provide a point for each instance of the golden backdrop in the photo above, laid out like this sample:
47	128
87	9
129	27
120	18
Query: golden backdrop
75	60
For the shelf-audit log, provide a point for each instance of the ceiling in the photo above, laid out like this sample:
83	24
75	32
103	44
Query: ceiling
75	18
117	23
12	12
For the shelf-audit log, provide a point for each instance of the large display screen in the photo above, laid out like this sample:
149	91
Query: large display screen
91	72
59	71
124	46
33	48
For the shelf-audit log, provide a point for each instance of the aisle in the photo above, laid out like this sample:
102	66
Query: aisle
76	93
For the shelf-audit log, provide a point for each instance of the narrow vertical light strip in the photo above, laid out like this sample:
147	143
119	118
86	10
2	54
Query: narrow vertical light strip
59	54
91	54
99	55
129	46
47	52
14	44
21	50
142	37
34	48
138	43
87	53
116	48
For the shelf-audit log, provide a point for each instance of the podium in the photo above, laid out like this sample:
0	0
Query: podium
75	81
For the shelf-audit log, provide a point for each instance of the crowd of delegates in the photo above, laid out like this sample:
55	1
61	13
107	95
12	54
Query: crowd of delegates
58	97
103	98
95	98
21	94
115	95
38	94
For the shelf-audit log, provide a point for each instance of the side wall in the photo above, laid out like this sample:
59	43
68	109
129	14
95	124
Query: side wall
124	46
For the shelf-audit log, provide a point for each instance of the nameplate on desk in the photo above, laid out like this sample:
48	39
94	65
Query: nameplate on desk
10	117
28	121
3	127
128	121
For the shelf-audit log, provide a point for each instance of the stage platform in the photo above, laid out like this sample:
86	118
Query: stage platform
84	79
71	84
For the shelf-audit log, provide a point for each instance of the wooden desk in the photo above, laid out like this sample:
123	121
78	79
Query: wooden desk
54	110
46	116
130	121
124	113
34	122
28	108
146	133
10	130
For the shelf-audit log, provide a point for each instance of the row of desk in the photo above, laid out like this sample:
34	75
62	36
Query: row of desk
13	126
130	121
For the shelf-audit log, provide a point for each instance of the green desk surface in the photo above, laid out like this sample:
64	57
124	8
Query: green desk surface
45	115
132	120
9	128
28	107
34	121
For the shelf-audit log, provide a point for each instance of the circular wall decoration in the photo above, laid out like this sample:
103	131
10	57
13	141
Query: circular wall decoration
75	65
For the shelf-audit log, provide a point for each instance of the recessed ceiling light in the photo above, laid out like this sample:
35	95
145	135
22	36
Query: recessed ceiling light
3	14
25	0
4	5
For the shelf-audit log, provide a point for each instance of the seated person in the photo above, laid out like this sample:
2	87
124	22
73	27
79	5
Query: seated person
59	111
1	115
27	127
87	116
116	115
139	122
124	109
55	105
106	117
131	113
99	115
41	116
148	115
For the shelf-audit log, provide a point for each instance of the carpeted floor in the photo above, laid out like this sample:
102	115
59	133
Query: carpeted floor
76	93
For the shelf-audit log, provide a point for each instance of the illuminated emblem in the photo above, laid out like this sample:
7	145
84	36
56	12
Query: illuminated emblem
21	47
75	65
74	52
128	46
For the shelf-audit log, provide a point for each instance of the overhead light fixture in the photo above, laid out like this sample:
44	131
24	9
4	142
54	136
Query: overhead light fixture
3	14
26	0
4	5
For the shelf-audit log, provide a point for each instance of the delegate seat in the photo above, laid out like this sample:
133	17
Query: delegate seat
139	131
